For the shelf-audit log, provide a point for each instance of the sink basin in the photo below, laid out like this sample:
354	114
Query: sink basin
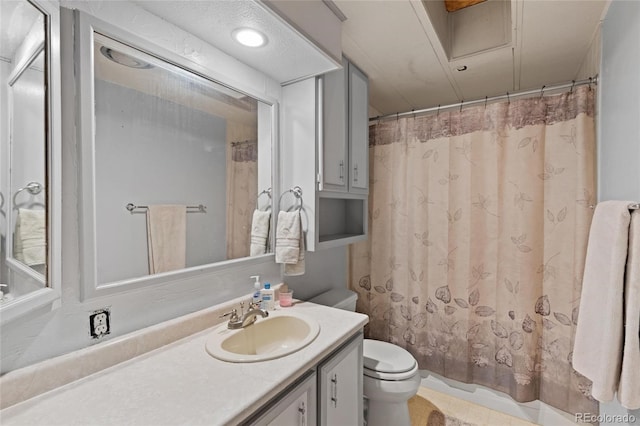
273	337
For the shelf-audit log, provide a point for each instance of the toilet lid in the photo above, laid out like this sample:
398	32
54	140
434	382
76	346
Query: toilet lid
383	357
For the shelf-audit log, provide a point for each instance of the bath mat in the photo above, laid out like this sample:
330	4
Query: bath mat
431	408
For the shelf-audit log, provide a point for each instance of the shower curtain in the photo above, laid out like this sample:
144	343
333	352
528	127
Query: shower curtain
478	230
242	184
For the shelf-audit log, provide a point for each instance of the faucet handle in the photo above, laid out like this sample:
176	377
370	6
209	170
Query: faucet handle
254	305
233	313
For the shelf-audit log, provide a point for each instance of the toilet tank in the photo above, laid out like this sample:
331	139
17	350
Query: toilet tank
340	298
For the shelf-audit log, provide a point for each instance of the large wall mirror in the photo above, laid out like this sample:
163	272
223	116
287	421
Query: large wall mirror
27	79
175	164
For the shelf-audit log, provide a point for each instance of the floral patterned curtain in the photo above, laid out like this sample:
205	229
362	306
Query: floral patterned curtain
478	230
242	190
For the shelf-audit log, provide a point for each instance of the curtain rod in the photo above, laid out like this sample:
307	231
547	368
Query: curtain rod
508	96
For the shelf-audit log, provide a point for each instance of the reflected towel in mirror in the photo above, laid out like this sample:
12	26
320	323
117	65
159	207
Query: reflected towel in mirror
166	237
29	240
259	232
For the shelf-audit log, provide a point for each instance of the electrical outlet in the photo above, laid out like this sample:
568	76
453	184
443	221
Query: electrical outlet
100	323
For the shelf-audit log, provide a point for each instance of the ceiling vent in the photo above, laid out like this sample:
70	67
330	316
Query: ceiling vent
471	30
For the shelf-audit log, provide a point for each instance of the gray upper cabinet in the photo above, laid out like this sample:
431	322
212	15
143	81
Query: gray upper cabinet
358	119
343	130
325	151
333	130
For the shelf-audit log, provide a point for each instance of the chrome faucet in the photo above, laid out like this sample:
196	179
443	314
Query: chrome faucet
251	316
235	322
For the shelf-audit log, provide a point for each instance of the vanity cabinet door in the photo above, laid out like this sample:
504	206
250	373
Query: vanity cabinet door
358	131
332	127
296	407
340	387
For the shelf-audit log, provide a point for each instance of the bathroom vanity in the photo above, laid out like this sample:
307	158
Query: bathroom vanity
180	383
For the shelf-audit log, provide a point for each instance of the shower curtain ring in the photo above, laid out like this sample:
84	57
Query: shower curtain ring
590	81
486	98
508	99
438	112
461	102
573	84
542	91
397	116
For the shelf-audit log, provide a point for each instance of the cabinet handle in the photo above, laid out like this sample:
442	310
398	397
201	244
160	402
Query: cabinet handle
334	390
342	171
303	411
355	173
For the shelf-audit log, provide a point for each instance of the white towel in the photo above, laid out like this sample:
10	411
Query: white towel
29	238
597	350
259	232
629	388
290	242
166	237
297	268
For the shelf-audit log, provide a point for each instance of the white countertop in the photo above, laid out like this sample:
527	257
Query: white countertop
181	383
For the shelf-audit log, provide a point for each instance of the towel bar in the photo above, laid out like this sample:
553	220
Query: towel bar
200	208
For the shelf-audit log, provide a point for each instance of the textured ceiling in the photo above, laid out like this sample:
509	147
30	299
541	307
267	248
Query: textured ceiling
285	57
395	43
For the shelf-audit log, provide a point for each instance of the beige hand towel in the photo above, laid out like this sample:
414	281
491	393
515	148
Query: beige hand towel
298	268
259	232
288	237
166	237
629	388
597	351
29	239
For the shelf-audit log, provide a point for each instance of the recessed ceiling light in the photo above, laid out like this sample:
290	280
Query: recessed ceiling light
249	37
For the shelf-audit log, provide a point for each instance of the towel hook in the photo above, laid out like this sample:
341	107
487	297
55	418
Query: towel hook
297	192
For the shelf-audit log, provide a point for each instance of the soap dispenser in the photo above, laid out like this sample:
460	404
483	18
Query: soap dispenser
256	299
268	298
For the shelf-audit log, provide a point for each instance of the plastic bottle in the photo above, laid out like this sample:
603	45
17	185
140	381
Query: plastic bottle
268	298
257	298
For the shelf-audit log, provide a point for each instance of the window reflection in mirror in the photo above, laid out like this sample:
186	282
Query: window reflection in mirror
23	142
184	153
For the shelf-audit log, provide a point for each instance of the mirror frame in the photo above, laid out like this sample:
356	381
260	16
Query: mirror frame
50	294
85	26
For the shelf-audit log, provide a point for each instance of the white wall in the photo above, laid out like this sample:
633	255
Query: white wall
619	97
619	121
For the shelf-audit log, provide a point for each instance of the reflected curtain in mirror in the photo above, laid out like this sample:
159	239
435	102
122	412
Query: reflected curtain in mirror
241	195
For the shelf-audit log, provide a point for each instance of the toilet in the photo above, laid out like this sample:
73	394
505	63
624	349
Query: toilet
391	374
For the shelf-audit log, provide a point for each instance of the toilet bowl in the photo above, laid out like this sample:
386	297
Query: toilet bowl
391	375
